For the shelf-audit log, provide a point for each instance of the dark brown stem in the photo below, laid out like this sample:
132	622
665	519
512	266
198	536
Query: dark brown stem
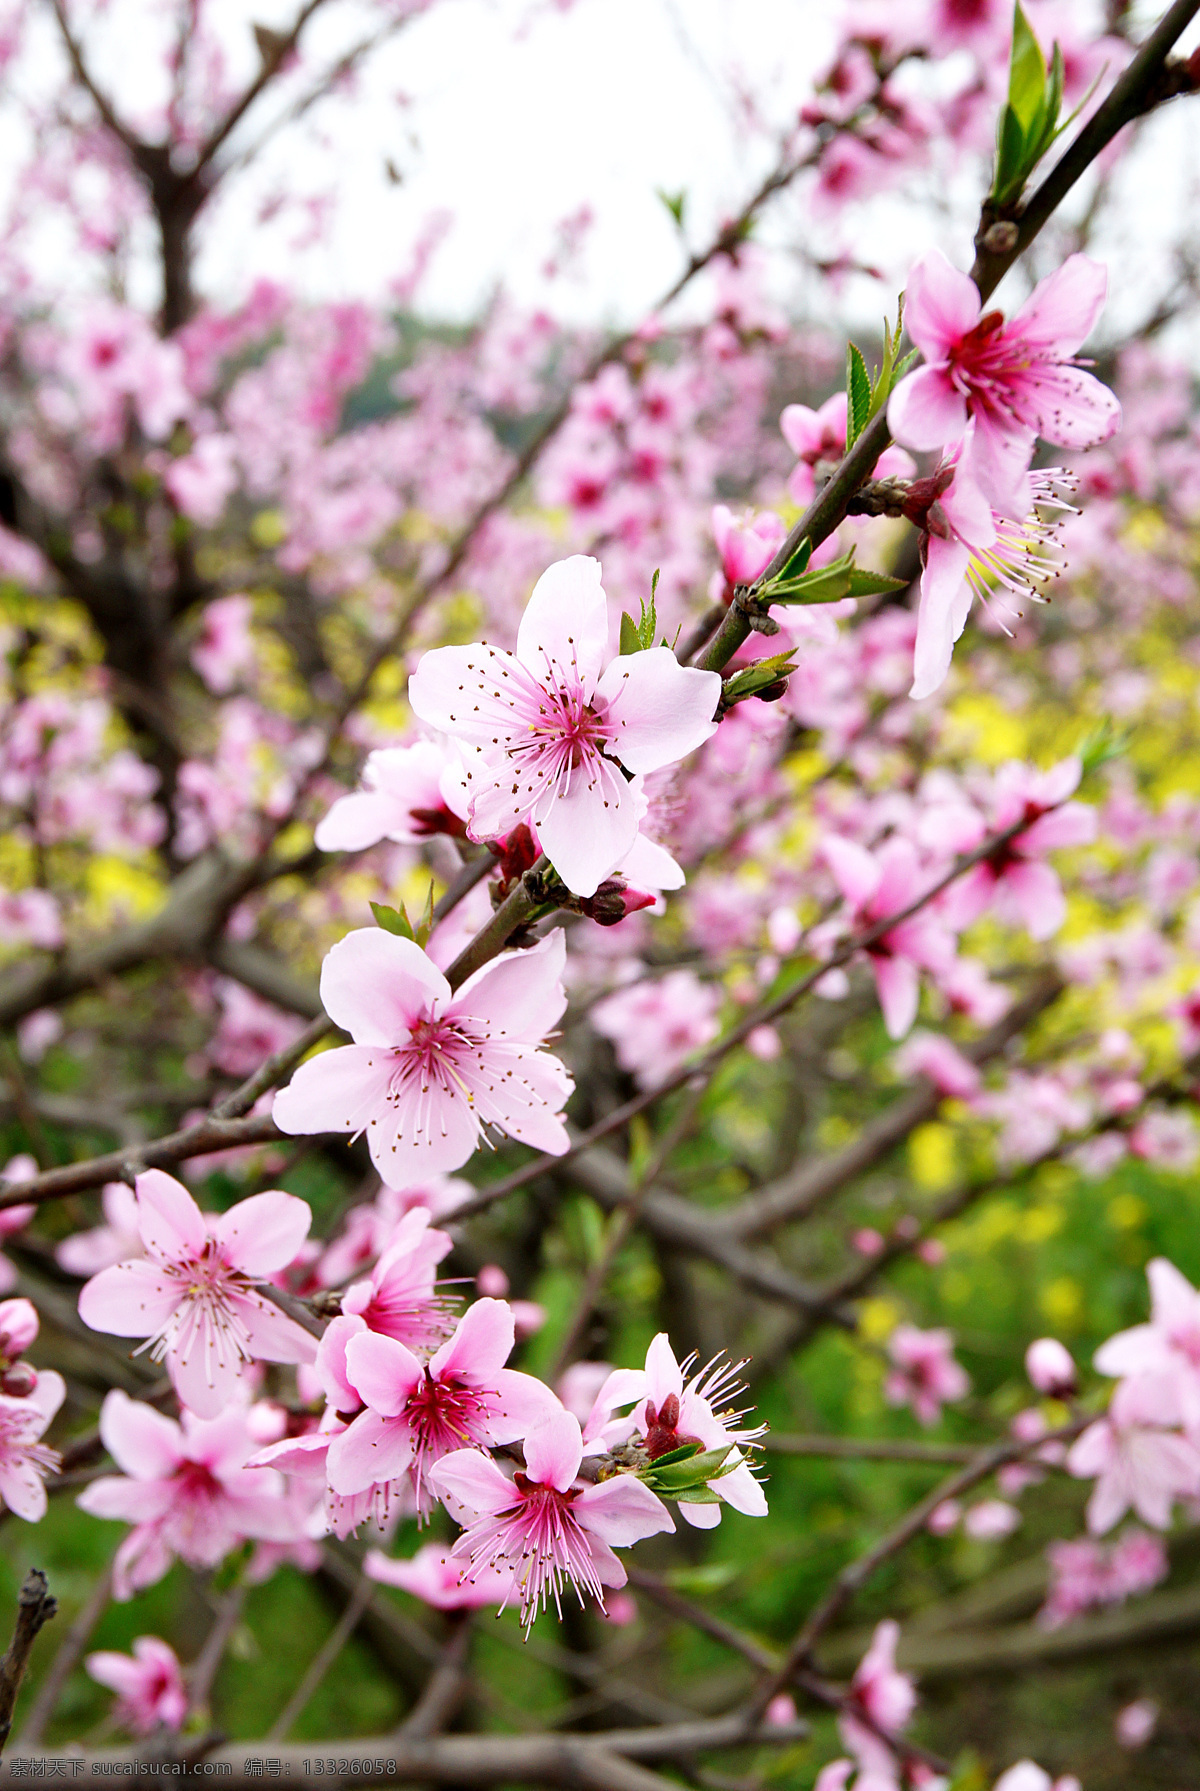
35	1606
65	1661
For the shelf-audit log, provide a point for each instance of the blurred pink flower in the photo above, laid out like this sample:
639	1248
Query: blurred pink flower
924	1373
24	1459
149	1685
185	1488
433	1577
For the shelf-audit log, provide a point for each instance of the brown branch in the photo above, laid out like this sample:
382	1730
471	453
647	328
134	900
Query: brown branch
800	1192
1128	99
65	1661
35	1606
868	1449
605	1761
854	1577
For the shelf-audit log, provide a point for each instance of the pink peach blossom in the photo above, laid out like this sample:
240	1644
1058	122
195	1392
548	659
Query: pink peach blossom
746	544
399	1299
543	1527
149	1684
117	1240
435	1579
24	1459
874	886
185	1488
549	733
417	1411
194	1297
407	793
924	1373
817	436
882	1694
430	1068
1051	1368
674	1411
1016	380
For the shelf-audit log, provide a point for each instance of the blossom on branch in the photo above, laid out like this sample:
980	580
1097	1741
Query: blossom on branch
550	731
1017	380
550	1531
193	1295
24	1459
185	1488
419	1411
430	1068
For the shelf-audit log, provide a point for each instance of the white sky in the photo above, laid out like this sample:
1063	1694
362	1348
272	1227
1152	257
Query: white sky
511	114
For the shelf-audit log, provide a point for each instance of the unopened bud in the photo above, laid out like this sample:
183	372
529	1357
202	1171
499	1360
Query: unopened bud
1000	237
1051	1369
18	1381
614	901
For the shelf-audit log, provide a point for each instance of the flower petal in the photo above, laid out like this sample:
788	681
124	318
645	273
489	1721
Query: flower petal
940	305
621	1511
171	1224
373	1449
520	993
264	1233
927	410
1062	310
587	828
563	634
337	1091
946	599
658	710
130	1299
140	1440
382	1371
474	1480
375	986
482	1342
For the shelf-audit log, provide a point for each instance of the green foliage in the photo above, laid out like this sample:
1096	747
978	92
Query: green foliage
757	677
866	393
1029	122
396	921
841	578
637	636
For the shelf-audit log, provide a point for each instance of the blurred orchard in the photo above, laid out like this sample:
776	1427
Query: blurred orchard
600	942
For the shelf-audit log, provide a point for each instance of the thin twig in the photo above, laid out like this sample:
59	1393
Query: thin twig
35	1606
65	1661
322	1660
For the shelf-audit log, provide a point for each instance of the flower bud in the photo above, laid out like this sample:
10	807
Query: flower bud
18	1328
1051	1369
19	1380
614	901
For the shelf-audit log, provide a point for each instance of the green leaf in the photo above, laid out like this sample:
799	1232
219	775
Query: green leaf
1011	159
797	563
393	920
872	584
685	1452
676	203
631	640
759	676
683	1476
1104	743
905	366
858	394
649	622
697	1495
1026	73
